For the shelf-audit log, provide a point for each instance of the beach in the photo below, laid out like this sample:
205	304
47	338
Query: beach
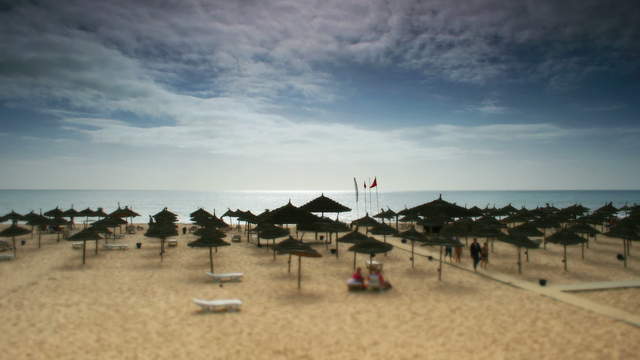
129	305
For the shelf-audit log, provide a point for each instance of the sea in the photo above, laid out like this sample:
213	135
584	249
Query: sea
149	202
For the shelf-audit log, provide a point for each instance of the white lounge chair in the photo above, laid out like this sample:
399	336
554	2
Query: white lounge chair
76	245
172	242
219	305
236	238
236	276
6	257
116	246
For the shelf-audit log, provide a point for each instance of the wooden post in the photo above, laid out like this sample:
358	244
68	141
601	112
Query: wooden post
354	261
440	266
211	258
84	245
582	251
544	238
39	237
412	254
13	241
519	262
299	270
161	249
96	246
624	250
565	258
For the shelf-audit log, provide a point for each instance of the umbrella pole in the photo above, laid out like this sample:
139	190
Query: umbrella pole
39	237
440	266
84	246
299	270
13	240
211	258
582	251
384	238
289	263
565	258
519	262
161	250
274	249
624	250
526	254
544	238
354	261
412	262
96	247
337	246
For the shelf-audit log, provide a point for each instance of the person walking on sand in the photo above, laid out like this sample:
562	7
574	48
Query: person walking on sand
475	251
457	251
448	252
485	255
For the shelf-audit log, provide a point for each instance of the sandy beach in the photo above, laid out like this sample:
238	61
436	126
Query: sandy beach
129	305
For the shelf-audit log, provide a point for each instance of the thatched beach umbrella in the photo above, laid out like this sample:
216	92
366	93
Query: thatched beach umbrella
210	241
627	230
38	221
89	234
366	221
71	214
87	213
583	229
412	235
54	213
57	222
460	228
370	247
440	208
441	241
99	213
13	231
527	229
298	248
565	238
14	217
200	215
161	230
519	240
270	231
384	230
323	204
546	222
29	218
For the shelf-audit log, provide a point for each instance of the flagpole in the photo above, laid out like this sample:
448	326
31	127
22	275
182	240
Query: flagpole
370	202
377	186
365	194
355	183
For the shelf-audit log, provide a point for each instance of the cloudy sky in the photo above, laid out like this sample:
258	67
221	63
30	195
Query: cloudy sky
294	94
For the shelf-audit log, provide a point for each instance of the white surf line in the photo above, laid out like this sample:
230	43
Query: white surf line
551	292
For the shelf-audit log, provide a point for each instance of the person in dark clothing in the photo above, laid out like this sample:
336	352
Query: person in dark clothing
184	230
476	251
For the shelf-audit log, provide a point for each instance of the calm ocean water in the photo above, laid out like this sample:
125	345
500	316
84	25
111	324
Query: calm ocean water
147	202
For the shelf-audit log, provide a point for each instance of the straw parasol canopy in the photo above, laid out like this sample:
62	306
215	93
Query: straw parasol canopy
607	210
323	204
89	234
53	213
519	240
527	229
210	241
366	221
440	207
546	222
270	231
441	241
289	214
13	231
38	220
13	216
57	222
371	247
412	235
460	228
566	238
626	229
298	248
165	216
509	209
200	214
99	213
161	230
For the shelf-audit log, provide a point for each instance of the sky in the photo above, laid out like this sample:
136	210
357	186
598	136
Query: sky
307	95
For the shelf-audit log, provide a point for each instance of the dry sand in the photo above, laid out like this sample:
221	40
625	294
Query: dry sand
128	305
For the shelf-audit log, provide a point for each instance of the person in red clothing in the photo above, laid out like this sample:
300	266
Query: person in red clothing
356	282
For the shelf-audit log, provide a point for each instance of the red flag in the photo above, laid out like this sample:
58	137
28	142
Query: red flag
374	183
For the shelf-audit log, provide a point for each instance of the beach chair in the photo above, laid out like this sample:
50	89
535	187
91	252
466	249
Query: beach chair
235	276
219	305
116	246
172	242
236	239
6	257
373	265
374	282
76	245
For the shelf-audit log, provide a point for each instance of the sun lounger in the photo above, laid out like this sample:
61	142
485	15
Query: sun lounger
236	239
236	276
172	242
373	265
6	257
116	246
219	305
76	245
